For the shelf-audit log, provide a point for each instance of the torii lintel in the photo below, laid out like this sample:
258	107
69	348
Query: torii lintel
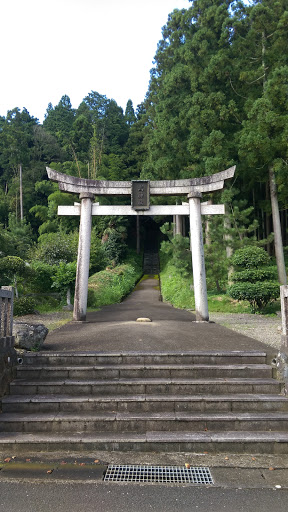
167	187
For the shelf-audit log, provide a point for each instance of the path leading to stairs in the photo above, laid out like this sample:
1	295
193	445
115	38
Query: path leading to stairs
115	328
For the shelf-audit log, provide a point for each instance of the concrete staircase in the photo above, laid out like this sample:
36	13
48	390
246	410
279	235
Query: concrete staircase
194	402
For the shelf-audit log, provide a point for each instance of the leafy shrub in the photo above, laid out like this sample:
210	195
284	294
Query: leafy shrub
177	249
24	306
258	294
64	276
41	277
112	285
253	275
250	257
254	280
114	247
55	247
98	256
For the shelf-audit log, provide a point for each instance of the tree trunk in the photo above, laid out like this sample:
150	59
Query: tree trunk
228	238
21	193
268	230
277	229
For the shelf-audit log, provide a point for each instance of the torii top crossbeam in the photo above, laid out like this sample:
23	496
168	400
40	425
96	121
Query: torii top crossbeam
157	188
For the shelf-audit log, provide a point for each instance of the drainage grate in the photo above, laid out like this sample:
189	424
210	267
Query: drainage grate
158	474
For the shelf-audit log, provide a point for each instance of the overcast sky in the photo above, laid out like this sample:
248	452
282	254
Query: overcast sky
54	47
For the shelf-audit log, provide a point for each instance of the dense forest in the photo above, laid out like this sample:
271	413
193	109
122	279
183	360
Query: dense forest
218	96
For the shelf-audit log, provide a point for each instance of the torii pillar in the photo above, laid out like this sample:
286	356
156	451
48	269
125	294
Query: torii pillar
82	274
198	261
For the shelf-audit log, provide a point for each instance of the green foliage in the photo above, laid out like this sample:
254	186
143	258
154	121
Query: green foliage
252	279
12	266
16	239
259	274
176	288
113	241
112	285
55	247
41	276
257	294
178	249
24	306
178	291
250	258
130	117
64	276
98	256
114	247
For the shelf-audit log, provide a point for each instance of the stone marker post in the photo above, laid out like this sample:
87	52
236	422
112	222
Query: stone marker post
82	274
198	262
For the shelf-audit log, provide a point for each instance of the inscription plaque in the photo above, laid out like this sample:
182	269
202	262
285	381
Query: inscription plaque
140	195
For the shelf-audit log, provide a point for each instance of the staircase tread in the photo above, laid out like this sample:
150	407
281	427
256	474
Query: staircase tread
147	367
252	353
152	436
144	397
152	380
110	416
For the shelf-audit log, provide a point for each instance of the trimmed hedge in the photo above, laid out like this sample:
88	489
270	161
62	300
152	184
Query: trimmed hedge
254	280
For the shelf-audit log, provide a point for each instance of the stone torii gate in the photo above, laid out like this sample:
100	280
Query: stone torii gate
140	192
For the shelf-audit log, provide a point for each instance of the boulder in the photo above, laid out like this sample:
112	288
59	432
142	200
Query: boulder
29	336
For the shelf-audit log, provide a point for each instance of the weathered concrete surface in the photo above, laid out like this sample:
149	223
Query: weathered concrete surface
115	328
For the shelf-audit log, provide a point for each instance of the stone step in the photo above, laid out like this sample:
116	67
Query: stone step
147	386
143	422
144	403
191	442
143	358
195	371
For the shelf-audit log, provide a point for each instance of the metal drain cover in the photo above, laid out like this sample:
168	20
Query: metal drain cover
158	474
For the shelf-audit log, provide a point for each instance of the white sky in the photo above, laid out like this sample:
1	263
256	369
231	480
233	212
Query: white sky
54	47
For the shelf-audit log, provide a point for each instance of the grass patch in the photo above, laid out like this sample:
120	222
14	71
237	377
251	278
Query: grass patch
113	284
55	324
48	304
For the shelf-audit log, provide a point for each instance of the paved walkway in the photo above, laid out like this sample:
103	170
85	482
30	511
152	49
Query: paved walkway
114	328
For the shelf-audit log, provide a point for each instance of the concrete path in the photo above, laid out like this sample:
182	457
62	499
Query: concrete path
114	328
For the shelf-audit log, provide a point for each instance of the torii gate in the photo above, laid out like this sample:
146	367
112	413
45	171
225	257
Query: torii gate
140	192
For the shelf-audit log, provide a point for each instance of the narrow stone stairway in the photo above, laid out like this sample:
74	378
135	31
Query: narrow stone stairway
193	401
151	264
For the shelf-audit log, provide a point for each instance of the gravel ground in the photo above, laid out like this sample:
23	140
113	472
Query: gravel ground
51	320
263	328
